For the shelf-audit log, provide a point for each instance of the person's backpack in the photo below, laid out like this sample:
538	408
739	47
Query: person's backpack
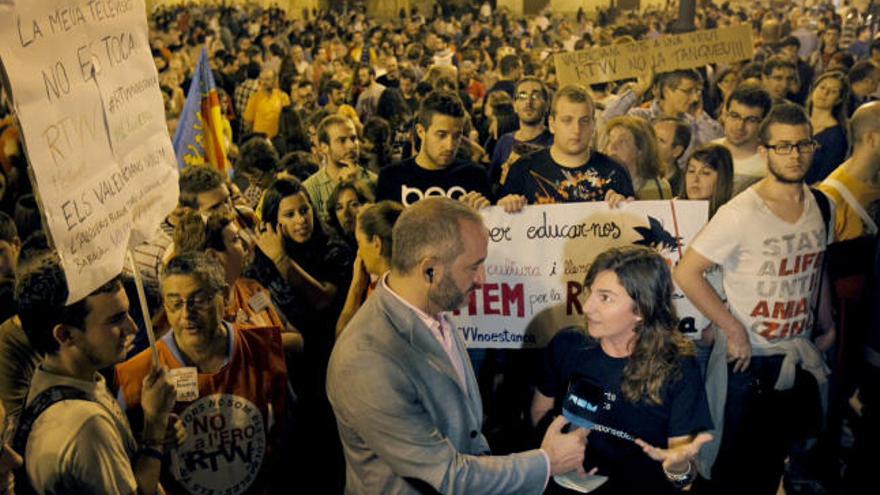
29	415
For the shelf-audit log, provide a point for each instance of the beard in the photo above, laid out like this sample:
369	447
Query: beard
786	179
447	296
537	119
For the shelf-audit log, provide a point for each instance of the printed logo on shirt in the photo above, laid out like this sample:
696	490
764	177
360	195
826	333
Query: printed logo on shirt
410	195
225	445
786	282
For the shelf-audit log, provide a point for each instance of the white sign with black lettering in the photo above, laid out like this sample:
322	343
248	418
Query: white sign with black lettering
186	383
86	93
538	259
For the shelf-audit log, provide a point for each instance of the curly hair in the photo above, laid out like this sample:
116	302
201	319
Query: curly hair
658	345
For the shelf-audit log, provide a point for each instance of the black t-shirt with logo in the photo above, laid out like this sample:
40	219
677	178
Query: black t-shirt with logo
572	356
543	181
406	182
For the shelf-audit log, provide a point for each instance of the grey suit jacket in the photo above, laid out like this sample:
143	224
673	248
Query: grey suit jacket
406	423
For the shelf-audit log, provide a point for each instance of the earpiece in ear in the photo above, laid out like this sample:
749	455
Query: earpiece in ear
430	273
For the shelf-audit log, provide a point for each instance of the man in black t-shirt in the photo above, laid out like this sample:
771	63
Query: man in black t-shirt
434	171
569	171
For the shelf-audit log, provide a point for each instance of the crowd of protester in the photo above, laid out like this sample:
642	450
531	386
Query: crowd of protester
336	124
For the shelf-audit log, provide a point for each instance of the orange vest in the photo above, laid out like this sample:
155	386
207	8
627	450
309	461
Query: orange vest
232	427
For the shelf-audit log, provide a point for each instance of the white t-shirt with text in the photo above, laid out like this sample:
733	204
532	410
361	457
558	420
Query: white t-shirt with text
771	267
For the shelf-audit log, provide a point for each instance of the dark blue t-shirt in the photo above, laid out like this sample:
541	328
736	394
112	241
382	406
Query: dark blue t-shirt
571	355
540	179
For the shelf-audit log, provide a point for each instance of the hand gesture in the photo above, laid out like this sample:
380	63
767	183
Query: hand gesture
475	200
676	459
513	203
565	450
270	240
348	174
739	349
158	395
644	82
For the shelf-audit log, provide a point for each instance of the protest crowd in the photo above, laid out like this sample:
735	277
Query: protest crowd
300	291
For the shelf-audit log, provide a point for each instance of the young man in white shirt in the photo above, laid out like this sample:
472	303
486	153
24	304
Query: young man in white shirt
84	444
769	242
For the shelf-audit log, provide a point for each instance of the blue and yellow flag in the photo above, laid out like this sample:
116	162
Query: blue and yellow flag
199	136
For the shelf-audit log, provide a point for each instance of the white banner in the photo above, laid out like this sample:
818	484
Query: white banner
538	260
87	97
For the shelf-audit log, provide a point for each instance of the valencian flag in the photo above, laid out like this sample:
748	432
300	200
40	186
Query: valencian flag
199	136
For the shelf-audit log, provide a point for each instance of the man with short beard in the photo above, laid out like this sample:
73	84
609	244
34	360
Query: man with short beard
769	241
72	433
531	101
435	171
339	144
420	430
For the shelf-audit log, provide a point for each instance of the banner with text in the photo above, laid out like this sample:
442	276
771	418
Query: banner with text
538	260
86	93
682	51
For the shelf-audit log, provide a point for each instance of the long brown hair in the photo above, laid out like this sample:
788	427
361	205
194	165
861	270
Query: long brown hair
645	138
658	345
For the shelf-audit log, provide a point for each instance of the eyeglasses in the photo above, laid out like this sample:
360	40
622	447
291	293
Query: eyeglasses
803	147
534	96
739	118
696	90
197	302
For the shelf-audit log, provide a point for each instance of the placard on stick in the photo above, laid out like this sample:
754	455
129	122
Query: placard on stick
683	51
86	94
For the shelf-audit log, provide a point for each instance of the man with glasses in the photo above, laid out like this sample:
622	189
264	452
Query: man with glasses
741	116
676	94
769	242
531	101
779	78
231	385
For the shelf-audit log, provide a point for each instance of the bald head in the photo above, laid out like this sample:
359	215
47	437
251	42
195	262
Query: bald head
865	120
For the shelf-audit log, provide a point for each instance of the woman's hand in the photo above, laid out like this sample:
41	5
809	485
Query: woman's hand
270	240
677	458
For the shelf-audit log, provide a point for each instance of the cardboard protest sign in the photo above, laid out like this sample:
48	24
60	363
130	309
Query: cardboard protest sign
86	93
538	259
683	51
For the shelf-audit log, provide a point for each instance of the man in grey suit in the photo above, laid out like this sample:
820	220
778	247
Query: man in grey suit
401	385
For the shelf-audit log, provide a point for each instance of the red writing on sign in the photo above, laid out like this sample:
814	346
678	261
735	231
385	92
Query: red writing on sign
497	299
